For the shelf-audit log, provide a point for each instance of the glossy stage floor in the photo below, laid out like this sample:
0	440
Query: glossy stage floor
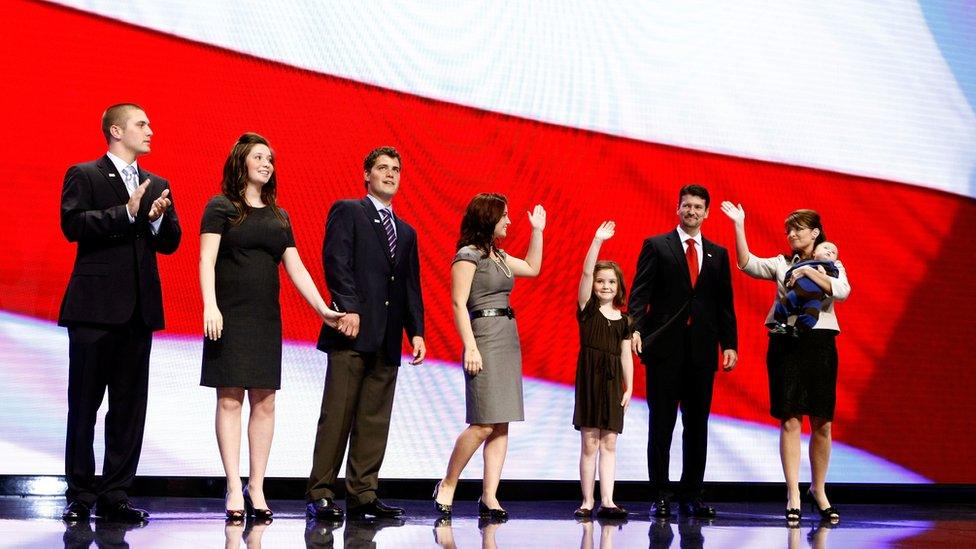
33	521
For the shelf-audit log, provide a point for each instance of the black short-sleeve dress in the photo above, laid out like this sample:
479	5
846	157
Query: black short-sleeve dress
248	353
599	373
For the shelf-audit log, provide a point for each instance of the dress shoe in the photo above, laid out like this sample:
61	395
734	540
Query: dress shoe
697	509
661	508
76	511
324	509
492	514
793	514
583	512
233	515
374	508
443	510
260	515
829	514
611	513
121	511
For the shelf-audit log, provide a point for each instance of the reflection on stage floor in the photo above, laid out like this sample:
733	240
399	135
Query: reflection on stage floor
196	522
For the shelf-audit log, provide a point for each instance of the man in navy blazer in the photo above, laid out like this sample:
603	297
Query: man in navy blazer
111	307
682	307
372	269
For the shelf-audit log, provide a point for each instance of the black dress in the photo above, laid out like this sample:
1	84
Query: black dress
803	374
599	373
248	353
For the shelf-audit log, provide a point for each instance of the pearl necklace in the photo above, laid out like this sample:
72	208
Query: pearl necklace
501	265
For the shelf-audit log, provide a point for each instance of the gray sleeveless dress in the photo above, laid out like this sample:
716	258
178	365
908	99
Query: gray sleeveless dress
494	395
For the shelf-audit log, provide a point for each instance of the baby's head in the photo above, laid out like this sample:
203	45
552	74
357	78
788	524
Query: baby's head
825	251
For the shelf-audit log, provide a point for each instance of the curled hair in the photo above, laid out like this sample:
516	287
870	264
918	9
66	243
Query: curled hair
116	115
806	219
621	297
478	224
234	181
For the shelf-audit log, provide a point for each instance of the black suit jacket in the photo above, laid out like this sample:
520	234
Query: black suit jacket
363	278
115	265
662	298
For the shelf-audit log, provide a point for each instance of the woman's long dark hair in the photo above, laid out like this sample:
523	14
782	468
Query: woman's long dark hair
235	179
478	224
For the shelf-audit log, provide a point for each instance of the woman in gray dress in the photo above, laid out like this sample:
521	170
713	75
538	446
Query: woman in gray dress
482	277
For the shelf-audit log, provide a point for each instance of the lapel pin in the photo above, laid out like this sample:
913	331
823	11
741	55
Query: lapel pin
376	221
111	175
709	255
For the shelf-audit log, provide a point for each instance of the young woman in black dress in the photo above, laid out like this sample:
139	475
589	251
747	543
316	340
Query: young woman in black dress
244	235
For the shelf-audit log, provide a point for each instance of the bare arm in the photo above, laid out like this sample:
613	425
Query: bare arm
532	264
306	286
627	365
603	232
213	321
462	275
738	216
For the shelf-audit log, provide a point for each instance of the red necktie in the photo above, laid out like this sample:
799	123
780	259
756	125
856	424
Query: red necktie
691	254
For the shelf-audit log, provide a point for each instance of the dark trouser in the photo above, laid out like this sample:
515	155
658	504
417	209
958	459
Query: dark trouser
670	382
356	406
116	358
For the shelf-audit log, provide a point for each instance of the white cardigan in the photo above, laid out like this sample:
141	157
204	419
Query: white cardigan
774	268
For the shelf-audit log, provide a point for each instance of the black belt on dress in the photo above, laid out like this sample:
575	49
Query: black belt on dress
481	313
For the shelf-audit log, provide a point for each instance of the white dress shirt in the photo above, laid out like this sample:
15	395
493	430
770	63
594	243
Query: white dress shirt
120	166
698	245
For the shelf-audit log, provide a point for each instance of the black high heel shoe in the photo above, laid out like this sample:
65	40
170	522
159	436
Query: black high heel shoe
493	514
444	510
258	514
830	513
793	514
233	515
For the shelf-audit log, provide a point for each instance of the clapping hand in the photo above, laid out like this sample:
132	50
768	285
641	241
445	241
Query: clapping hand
159	205
605	231
735	212
133	204
537	217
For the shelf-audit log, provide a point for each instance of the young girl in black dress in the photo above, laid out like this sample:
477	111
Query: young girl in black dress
604	374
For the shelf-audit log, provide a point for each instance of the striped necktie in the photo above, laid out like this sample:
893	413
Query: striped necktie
388	227
130	178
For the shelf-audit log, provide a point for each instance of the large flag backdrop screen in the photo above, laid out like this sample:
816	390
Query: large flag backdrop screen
862	111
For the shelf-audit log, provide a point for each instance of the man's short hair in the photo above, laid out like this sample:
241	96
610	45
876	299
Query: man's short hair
695	190
378	152
116	115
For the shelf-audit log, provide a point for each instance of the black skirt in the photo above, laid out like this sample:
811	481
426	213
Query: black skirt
802	374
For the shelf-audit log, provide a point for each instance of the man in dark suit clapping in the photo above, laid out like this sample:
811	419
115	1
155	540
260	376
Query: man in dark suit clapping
372	269
682	306
111	307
